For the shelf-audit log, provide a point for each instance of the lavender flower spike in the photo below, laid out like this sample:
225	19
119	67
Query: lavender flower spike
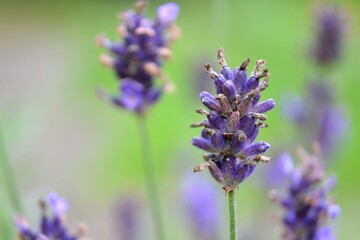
234	117
51	227
306	202
138	57
331	26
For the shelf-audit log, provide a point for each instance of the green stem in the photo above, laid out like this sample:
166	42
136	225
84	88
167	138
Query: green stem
9	178
150	178
232	214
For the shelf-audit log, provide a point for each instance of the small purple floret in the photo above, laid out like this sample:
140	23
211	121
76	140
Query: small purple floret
167	13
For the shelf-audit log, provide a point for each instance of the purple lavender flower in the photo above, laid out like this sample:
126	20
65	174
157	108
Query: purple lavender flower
203	207
137	59
306	202
330	31
325	122
126	217
234	117
51	227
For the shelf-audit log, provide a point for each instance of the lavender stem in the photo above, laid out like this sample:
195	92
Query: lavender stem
232	214
150	178
9	178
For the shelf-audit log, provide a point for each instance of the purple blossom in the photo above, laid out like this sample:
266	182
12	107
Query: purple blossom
233	120
281	168
203	207
330	33
138	57
318	116
167	13
51	227
305	201
127	217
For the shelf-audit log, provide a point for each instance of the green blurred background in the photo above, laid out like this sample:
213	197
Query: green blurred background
59	136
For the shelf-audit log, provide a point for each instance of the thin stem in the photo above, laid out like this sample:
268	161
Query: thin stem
9	178
232	214
150	178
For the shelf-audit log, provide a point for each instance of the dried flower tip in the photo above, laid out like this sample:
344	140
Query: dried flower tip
201	167
106	60
244	65
274	195
221	58
316	148
140	6
211	157
264	84
241	136
133	48
174	34
164	53
145	31
152	69
259	65
121	29
202	112
82	229
224	104
210	131
228	189
169	87
100	92
210	71
264	73
102	41
43	206
262	124
200	124
260	116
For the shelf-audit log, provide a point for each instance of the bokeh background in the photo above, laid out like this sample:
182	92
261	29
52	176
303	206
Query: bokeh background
60	137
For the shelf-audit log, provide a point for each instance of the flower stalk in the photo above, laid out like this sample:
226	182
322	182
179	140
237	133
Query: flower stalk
150	178
232	215
8	176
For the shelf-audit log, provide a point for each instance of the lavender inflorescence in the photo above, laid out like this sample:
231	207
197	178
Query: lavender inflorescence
306	203
234	117
137	59
51	227
325	122
330	33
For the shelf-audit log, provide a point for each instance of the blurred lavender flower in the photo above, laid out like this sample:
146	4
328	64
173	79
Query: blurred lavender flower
126	218
280	169
203	207
233	123
330	32
51	227
325	122
306	202
137	59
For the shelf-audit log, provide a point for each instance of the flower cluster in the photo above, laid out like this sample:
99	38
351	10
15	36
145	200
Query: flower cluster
234	117
137	58
325	122
203	207
330	30
51	227
306	202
